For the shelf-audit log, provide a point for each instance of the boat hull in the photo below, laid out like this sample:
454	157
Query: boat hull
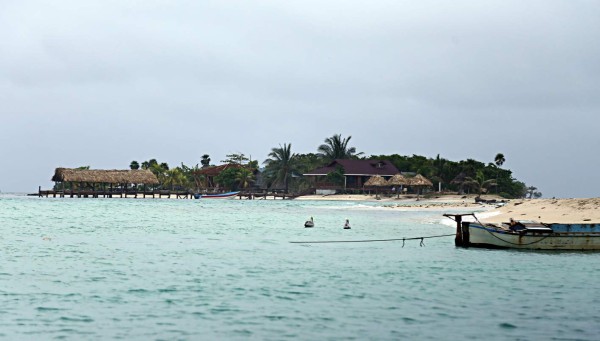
482	236
216	196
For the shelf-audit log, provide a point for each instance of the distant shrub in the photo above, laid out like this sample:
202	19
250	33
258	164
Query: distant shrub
505	195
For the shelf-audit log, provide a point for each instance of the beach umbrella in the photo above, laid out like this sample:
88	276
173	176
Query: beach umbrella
420	181
376	181
398	180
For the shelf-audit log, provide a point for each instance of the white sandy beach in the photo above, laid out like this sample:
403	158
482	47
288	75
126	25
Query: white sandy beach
549	211
544	210
410	202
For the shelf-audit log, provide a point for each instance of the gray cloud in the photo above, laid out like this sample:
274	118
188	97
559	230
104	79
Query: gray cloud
106	82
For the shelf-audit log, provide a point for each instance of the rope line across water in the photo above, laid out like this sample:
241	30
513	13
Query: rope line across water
374	240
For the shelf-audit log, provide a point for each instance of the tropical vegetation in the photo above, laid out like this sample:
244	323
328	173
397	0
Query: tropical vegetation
283	171
280	165
336	147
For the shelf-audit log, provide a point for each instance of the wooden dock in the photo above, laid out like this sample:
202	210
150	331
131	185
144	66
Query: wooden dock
113	194
133	193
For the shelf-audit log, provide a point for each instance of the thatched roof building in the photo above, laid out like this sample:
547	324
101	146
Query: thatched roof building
376	180
420	180
398	180
113	176
460	178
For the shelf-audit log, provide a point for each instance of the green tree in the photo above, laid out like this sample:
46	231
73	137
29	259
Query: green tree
304	163
205	161
533	192
252	165
480	183
148	164
134	165
453	173
499	161
281	164
236	158
336	147
227	178
194	176
308	162
244	177
175	178
158	169
336	176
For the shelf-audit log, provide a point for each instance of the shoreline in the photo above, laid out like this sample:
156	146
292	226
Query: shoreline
575	211
566	211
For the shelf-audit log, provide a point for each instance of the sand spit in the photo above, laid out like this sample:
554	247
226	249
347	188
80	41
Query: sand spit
549	211
543	210
412	203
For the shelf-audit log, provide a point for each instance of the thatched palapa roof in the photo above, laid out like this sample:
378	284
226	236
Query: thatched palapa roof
420	180
397	180
460	178
113	176
376	180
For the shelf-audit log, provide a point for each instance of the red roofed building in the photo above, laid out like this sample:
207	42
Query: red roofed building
356	173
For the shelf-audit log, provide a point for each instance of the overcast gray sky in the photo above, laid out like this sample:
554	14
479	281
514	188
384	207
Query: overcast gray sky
102	83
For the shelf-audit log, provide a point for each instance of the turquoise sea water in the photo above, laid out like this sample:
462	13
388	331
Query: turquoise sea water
150	269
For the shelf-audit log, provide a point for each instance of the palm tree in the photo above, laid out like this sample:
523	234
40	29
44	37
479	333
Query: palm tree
148	164
134	165
480	182
159	170
533	193
336	147
280	164
205	161
194	176
499	160
244	177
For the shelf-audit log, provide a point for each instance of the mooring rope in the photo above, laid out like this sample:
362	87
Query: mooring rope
375	240
511	243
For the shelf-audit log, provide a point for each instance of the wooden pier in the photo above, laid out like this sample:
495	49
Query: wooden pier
132	193
113	194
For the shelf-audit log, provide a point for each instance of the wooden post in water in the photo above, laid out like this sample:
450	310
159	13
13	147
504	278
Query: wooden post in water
465	234
462	229
458	238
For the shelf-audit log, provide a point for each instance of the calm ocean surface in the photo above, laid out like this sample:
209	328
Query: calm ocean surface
144	269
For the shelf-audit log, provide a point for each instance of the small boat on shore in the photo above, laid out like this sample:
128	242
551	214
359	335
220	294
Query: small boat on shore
216	196
525	234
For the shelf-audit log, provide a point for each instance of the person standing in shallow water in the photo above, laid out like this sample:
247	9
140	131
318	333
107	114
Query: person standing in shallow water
347	225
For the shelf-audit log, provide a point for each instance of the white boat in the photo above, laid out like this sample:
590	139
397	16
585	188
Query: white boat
216	196
523	234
